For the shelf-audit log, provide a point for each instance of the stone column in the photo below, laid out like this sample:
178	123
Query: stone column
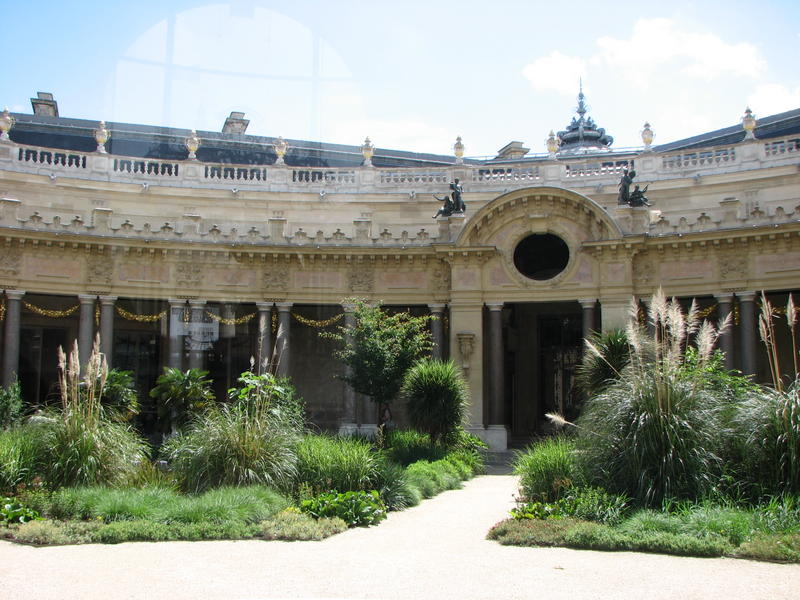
282	341
349	422
588	309
497	429
724	305
11	335
264	335
107	328
196	352
466	349
437	330
747	324
614	312
176	333
85	327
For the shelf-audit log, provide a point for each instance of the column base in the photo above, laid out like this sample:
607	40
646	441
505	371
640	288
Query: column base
348	429
369	430
496	436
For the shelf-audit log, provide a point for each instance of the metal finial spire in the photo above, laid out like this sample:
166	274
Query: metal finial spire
581	104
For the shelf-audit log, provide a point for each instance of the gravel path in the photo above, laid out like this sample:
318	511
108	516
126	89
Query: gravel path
435	550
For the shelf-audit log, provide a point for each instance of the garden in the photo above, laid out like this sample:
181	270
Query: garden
247	466
671	452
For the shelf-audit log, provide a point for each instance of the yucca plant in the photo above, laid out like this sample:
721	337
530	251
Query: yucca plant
436	397
655	433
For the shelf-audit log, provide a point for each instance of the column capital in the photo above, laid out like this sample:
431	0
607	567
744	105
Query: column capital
176	303
14	294
493	306
746	296
197	303
284	306
87	298
724	297
348	307
587	302
437	307
264	306
107	300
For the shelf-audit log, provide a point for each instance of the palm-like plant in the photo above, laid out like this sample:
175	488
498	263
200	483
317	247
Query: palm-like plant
436	397
607	354
181	395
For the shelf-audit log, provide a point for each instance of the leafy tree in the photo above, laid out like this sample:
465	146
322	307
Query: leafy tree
181	394
378	350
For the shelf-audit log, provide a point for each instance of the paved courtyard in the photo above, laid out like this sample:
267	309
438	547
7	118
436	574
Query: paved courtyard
436	550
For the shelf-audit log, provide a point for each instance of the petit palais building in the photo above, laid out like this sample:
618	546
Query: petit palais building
204	249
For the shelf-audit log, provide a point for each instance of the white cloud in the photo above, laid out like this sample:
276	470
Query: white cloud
408	133
555	72
655	42
771	98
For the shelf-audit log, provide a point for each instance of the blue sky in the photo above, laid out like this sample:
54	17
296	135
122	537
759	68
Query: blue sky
411	75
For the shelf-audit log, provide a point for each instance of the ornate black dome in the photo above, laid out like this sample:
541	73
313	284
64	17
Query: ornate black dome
582	135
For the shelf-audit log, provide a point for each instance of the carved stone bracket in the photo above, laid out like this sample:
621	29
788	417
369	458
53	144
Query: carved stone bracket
466	346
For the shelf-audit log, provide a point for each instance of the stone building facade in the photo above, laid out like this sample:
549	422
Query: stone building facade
204	249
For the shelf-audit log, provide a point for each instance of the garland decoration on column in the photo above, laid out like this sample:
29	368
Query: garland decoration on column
234	321
317	324
53	314
139	318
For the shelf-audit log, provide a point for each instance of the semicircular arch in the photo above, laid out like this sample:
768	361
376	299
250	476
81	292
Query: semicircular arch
540	206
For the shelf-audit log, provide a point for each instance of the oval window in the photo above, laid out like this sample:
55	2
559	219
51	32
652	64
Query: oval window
541	256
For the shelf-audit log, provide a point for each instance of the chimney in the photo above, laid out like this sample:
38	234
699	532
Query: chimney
512	150
44	104
236	123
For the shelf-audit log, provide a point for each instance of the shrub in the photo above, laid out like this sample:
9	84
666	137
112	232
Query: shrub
251	441
354	508
335	463
436	398
293	526
11	405
547	469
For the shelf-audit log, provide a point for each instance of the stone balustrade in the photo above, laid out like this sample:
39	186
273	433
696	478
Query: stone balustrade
572	173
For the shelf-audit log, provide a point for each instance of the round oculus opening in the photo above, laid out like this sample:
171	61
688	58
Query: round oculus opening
541	256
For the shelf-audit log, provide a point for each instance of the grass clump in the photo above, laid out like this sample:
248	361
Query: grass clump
547	469
250	441
20	451
335	463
